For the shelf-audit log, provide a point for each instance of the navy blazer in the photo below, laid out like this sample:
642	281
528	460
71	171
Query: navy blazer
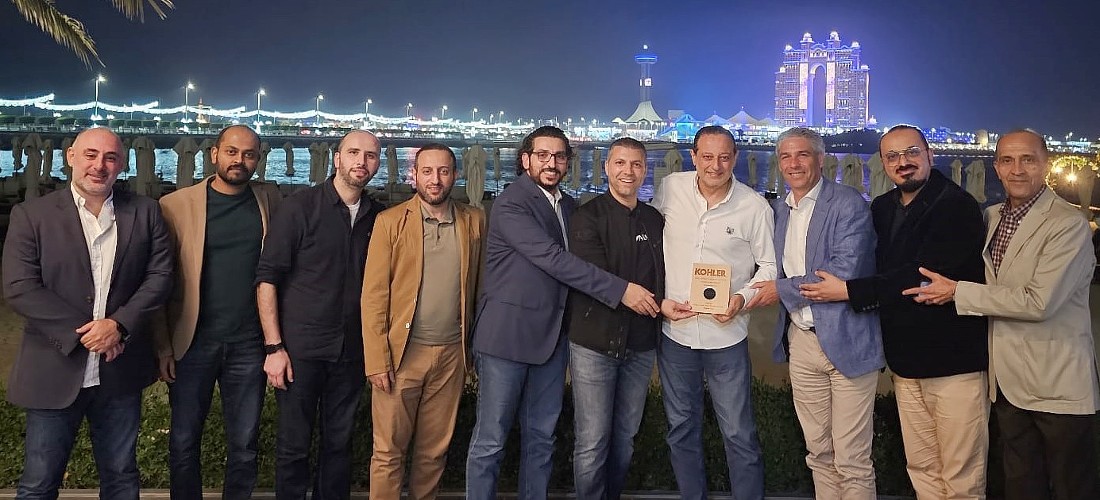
528	273
48	281
840	240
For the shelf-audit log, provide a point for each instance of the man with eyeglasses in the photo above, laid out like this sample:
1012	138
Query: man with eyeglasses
937	356
520	345
710	218
210	332
1042	360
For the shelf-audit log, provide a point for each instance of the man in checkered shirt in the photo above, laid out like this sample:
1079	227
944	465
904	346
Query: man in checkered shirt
1042	361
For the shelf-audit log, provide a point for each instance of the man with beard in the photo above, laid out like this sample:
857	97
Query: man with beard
210	332
309	280
1042	357
938	357
519	343
86	267
835	353
419	290
612	349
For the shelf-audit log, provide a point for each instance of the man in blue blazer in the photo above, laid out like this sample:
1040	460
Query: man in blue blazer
519	344
835	353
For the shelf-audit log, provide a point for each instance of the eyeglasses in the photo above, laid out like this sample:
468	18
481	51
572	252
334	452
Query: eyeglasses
910	153
545	156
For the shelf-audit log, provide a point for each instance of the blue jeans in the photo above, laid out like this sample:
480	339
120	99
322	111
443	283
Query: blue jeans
238	369
608	398
728	376
504	388
113	422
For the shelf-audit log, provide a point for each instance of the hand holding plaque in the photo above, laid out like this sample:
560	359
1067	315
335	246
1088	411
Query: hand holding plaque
710	288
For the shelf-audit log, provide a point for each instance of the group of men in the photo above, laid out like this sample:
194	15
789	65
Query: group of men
224	283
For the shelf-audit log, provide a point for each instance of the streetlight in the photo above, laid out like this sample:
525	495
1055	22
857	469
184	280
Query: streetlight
98	80
408	110
500	117
317	107
366	106
186	92
473	115
443	113
258	94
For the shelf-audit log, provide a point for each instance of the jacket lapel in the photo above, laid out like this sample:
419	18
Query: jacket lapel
814	238
196	239
1028	226
125	216
73	230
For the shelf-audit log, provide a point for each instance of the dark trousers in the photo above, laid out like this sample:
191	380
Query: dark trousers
1047	455
238	369
331	389
113	423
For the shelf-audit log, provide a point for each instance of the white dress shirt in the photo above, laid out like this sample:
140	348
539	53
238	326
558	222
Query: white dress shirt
794	246
102	240
555	203
737	231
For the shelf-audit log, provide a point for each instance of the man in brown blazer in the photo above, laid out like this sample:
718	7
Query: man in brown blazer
86	266
1042	362
210	332
419	289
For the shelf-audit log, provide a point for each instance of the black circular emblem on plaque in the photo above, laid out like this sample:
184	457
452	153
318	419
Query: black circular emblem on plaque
709	293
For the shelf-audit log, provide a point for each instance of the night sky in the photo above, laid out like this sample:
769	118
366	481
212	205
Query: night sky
964	64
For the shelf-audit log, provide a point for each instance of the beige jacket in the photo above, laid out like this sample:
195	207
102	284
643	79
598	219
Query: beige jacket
185	212
1041	351
393	277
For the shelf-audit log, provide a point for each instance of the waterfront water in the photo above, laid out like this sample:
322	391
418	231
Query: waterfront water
166	160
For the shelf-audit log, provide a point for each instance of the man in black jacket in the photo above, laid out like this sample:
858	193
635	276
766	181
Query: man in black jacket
612	350
939	358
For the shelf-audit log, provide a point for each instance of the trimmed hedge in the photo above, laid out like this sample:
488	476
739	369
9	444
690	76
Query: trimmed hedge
780	436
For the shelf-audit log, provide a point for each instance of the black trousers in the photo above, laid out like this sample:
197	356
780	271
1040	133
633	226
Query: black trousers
1047	455
330	390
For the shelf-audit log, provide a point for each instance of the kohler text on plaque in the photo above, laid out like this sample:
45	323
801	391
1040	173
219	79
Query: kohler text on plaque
710	288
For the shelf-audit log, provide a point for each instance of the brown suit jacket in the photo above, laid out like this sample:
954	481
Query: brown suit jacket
394	275
48	281
1041	351
185	214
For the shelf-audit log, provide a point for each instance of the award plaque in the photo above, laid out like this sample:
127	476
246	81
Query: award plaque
710	288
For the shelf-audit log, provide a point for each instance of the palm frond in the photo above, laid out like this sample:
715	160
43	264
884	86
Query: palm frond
135	9
65	30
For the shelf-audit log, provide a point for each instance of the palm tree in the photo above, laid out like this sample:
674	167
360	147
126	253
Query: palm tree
69	32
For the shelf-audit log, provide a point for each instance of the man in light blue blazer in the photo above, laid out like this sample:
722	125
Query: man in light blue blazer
519	344
835	353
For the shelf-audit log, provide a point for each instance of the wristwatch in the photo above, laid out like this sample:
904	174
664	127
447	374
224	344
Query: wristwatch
124	334
273	348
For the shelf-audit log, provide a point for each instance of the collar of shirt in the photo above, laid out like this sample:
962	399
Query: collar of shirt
699	198
1020	211
448	217
554	198
812	195
108	204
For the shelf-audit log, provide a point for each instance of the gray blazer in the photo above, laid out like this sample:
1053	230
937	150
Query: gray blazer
48	280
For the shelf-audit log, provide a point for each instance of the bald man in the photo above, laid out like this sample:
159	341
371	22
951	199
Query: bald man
86	267
310	278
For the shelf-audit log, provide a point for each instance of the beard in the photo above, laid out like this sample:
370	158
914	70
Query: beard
348	180
549	186
235	175
435	201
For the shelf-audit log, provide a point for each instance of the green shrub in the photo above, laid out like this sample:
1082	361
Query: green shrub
780	437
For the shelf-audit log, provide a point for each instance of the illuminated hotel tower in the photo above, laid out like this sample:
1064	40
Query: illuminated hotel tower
645	111
822	85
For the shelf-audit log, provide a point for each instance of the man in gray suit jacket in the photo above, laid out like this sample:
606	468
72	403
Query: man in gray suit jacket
86	267
520	350
1042	361
835	352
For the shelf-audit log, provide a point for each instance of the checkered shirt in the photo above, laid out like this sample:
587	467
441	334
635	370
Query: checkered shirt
1010	221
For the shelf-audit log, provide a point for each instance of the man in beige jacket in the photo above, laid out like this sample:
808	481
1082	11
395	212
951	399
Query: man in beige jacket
1042	362
419	288
211	332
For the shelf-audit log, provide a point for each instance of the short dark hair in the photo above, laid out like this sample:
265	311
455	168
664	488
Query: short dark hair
435	146
905	126
627	142
713	130
527	146
221	135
